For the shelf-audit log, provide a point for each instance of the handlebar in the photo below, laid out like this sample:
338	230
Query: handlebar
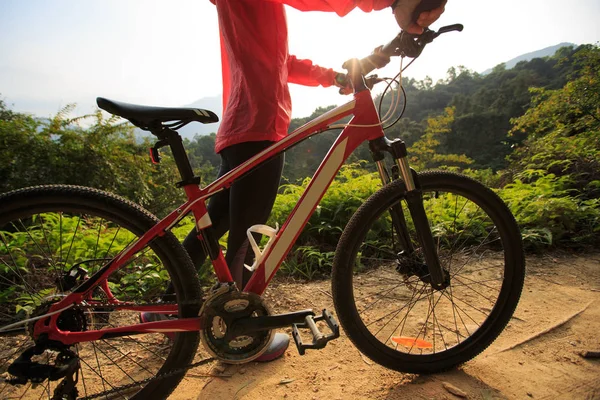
405	45
409	45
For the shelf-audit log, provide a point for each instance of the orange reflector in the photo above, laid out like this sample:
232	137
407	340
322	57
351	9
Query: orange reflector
412	342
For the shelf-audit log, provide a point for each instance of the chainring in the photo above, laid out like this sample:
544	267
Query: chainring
219	312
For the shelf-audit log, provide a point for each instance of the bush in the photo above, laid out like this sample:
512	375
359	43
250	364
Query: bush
312	255
550	214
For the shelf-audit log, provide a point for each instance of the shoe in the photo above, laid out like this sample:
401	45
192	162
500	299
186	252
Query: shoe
278	346
155	317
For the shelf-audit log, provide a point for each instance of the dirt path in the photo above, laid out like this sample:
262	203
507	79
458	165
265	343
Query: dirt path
547	367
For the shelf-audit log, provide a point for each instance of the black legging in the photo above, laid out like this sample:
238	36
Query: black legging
247	202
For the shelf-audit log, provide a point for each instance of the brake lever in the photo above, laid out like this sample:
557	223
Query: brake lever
411	45
450	28
372	80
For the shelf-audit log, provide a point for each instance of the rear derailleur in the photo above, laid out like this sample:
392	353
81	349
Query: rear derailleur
66	367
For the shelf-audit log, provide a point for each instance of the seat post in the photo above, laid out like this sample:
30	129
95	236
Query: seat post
181	158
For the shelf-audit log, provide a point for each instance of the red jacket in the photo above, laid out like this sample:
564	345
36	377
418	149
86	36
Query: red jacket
256	65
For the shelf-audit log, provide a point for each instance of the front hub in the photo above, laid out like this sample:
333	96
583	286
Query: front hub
411	265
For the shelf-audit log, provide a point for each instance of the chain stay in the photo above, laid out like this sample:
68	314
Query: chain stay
106	305
196	302
147	380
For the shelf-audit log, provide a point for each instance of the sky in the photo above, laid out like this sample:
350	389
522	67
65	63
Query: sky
166	53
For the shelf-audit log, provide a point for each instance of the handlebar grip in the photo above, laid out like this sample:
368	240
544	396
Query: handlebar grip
425	5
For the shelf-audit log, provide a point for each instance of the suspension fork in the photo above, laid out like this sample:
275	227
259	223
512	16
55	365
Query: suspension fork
398	219
414	200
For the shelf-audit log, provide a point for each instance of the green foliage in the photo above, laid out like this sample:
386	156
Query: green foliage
425	154
308	262
314	248
83	246
105	155
549	169
550	214
201	152
563	130
484	105
487	176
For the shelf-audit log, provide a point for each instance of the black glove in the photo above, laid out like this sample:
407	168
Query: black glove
342	81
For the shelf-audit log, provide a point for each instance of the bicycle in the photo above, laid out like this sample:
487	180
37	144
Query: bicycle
426	274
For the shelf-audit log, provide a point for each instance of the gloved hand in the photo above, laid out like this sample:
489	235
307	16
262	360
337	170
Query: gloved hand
342	81
414	15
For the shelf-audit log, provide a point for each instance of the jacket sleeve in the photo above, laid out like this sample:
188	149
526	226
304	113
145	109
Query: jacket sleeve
340	7
304	72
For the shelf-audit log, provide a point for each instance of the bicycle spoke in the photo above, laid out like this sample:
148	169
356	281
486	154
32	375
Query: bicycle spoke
16	270
492	301
50	252
124	355
81	371
98	238
99	368
391	253
141	344
379	298
480	283
464	230
424	327
112	242
36	243
104	381
26	390
484	269
450	288
405	318
112	362
470	306
475	251
410	305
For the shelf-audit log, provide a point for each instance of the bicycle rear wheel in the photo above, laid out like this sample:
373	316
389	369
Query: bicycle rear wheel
51	239
382	295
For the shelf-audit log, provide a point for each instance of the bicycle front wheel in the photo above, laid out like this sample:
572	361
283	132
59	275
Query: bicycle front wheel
382	293
51	239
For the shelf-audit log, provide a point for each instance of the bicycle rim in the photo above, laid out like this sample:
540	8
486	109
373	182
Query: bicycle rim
391	311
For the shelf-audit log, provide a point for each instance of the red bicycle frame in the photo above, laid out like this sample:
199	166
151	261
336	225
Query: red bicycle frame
364	126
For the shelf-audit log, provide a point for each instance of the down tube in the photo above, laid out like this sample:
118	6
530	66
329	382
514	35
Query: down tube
344	145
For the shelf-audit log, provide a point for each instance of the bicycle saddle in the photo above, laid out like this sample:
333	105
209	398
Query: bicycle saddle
146	116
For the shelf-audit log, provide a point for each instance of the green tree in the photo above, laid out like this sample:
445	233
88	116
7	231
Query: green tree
426	152
563	130
102	154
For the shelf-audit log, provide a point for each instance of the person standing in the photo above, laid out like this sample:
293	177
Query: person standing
256	69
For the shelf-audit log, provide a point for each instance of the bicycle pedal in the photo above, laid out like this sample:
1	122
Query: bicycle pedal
319	338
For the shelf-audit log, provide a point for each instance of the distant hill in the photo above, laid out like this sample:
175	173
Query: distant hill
546	52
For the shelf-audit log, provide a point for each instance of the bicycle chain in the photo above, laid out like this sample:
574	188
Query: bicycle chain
197	302
156	377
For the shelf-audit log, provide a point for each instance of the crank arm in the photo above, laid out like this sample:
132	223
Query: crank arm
256	324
